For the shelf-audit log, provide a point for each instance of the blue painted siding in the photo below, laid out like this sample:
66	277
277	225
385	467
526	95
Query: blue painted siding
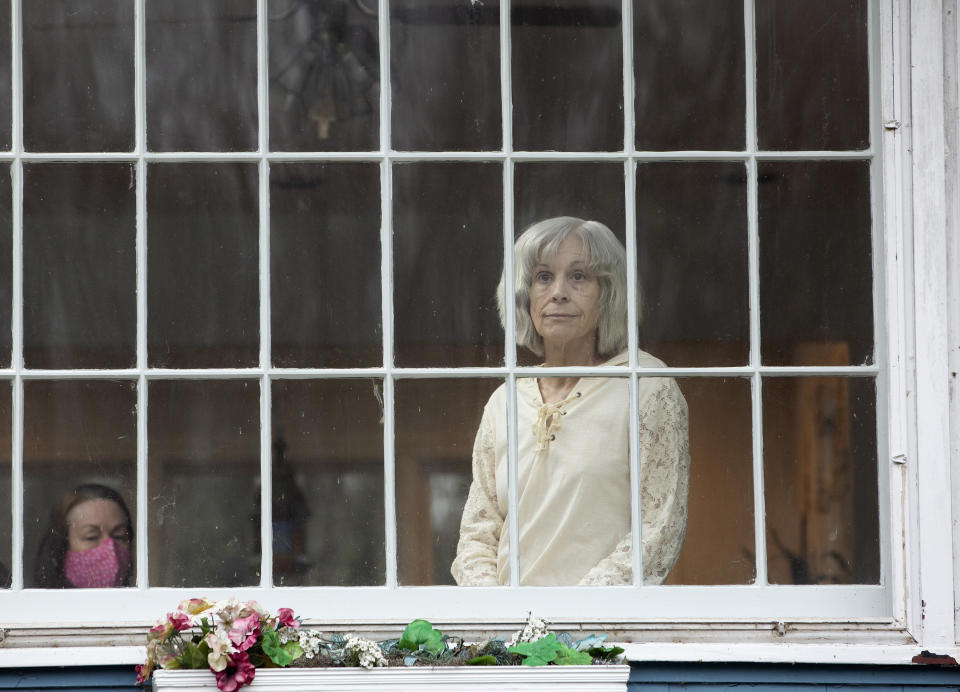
82	679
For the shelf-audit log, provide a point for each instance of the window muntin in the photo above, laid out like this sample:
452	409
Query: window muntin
254	359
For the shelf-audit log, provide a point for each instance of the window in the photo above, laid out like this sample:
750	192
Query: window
254	249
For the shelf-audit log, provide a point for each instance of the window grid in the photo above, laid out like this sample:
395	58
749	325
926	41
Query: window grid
265	373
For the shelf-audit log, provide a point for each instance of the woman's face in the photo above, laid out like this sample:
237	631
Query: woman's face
92	522
564	297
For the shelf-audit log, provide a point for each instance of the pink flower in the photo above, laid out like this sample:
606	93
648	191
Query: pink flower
245	631
143	671
180	621
285	617
239	672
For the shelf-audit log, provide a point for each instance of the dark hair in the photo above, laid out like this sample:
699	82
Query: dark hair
48	572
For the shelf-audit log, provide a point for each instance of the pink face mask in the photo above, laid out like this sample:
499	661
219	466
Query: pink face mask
103	566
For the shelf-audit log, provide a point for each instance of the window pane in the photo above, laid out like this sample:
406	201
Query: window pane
689	74
445	61
201	75
328	483
692	262
719	543
204	483
6	489
586	190
6	92
202	265
6	265
79	477
79	265
324	76
567	75
78	75
325	265
820	477
812	75
436	424
448	255
816	281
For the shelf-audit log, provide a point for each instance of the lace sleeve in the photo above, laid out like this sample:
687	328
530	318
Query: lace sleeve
480	526
664	457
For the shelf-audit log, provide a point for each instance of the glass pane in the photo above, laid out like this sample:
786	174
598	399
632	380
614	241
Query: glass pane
78	75
436	424
816	280
325	265
692	262
719	543
201	75
79	265
448	255
689	74
6	265
567	75
820	471
6	92
6	488
328	483
203	260
80	480
812	74
324	75
445	79
204	483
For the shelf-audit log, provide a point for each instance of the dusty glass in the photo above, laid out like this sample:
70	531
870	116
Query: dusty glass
692	262
324	75
204	479
436	424
79	478
201	75
202	265
6	92
328	516
325	265
79	265
567	75
6	265
447	258
816	278
820	480
6	488
445	75
689	85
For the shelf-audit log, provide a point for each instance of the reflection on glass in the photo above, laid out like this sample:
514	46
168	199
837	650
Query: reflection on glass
324	75
201	75
445	62
202	259
816	278
692	262
6	92
328	483
6	479
204	483
689	74
567	75
719	544
79	477
588	190
447	255
820	479
325	265
812	75
79	265
436	422
6	265
77	75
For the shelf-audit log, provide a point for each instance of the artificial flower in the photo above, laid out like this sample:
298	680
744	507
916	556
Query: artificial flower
285	617
239	672
220	647
195	606
245	631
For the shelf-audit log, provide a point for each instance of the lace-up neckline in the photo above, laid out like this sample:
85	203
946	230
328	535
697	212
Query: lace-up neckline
548	420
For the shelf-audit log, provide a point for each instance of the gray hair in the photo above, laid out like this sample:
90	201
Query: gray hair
606	260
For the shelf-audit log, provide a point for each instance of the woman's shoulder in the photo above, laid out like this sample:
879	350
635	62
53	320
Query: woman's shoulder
644	359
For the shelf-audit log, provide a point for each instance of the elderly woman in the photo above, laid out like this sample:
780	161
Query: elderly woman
573	433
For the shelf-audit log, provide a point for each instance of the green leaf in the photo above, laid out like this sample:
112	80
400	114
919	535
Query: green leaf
420	635
571	657
538	653
482	661
294	649
605	653
271	647
194	655
591	642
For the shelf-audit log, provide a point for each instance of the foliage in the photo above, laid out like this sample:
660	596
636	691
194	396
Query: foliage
420	636
486	660
539	652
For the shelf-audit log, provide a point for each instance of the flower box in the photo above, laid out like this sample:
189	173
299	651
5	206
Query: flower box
609	678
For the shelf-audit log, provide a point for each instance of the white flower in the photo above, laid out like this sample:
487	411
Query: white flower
368	652
536	628
220	646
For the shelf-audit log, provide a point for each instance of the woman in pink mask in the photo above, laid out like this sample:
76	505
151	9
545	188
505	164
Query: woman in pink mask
88	542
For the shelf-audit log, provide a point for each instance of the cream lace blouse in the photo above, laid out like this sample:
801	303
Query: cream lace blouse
574	494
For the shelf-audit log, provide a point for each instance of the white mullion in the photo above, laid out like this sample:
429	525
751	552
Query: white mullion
386	299
16	192
140	134
753	254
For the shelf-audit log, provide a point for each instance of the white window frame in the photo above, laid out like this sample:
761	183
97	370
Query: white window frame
755	622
